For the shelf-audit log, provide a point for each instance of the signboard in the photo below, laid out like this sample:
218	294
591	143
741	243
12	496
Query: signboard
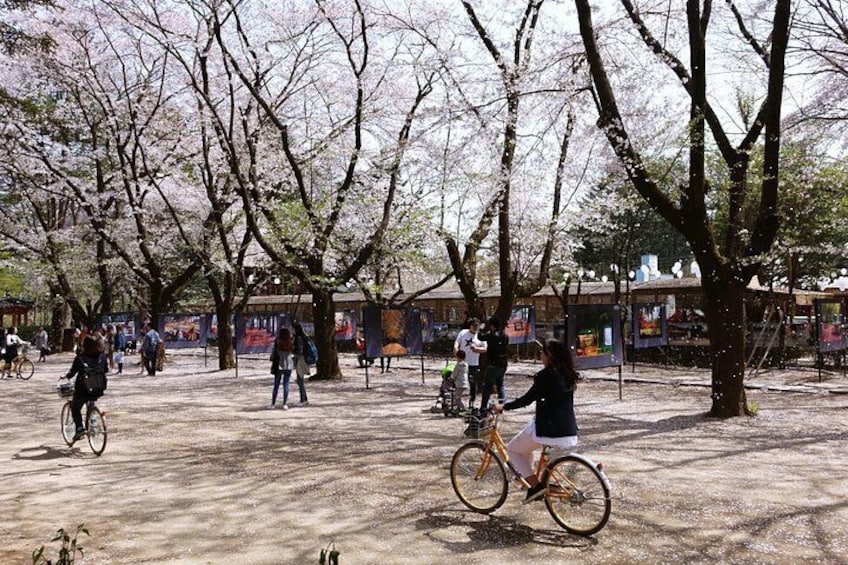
127	319
521	326
255	333
392	332
830	324
428	326
594	335
649	325
345	322
181	331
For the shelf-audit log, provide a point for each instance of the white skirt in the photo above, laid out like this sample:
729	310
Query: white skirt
565	442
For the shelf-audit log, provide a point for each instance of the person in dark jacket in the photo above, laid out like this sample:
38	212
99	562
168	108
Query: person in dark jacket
282	363
554	423
91	355
301	367
494	343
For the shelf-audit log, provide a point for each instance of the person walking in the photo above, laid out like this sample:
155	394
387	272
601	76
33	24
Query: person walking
301	367
465	341
282	363
149	348
554	423
41	340
109	345
120	347
494	344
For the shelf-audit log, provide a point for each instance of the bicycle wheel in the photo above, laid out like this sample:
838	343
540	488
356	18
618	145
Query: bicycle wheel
577	497
26	369
96	430
478	478
67	422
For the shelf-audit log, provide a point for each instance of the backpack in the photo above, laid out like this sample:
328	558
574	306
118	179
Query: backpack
310	352
152	342
93	376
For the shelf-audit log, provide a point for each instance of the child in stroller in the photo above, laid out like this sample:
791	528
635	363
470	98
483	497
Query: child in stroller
454	385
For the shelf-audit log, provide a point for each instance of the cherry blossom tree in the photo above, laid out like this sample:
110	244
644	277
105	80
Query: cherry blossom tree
729	258
513	123
332	95
822	29
116	149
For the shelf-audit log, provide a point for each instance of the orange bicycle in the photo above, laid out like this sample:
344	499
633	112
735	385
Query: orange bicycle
577	492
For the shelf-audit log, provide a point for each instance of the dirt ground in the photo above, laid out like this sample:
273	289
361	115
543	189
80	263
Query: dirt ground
197	470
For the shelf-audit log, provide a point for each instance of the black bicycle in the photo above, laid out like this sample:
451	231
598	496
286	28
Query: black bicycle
95	422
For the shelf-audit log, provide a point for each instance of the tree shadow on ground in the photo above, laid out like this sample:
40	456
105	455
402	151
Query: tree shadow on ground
467	532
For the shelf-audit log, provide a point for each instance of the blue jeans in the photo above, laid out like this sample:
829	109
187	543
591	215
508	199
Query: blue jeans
285	376
494	379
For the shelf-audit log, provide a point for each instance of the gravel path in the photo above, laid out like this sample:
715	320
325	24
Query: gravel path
198	471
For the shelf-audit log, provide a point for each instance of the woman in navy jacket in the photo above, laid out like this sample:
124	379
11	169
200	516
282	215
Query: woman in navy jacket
554	423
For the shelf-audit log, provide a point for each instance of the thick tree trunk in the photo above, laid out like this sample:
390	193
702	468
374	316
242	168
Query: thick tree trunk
323	316
59	320
725	311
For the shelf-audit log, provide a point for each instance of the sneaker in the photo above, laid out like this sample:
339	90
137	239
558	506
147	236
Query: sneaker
78	436
285	406
535	492
304	403
271	406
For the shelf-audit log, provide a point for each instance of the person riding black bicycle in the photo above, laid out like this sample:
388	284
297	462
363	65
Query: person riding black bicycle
91	357
554	423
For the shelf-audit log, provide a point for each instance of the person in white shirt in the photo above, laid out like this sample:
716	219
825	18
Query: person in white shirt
464	341
13	342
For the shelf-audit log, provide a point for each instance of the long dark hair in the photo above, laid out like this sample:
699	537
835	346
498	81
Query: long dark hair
284	340
561	362
91	346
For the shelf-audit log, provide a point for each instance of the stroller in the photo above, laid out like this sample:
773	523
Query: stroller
446	401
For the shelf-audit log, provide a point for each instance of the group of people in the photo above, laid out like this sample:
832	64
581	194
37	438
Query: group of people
115	344
552	392
102	351
287	355
470	343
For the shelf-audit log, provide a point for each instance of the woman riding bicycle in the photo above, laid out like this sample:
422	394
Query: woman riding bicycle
92	355
554	423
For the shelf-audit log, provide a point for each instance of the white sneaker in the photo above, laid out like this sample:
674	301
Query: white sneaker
304	403
285	406
271	406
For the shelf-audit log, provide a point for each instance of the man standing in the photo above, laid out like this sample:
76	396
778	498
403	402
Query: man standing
464	342
149	348
495	345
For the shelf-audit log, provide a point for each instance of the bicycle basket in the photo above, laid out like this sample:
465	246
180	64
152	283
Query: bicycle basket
479	427
65	389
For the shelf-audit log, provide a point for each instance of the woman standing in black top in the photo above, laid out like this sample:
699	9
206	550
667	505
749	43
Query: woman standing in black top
554	423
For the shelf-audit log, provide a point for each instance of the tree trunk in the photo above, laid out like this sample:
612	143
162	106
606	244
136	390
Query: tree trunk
59	320
226	347
724	295
323	316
